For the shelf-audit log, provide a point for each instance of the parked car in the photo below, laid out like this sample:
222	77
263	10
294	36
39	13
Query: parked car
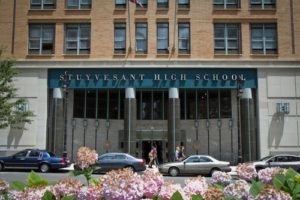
35	159
195	164
280	160
112	161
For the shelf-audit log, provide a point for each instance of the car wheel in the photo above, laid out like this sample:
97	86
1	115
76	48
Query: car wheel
130	168
44	167
173	171
258	169
1	167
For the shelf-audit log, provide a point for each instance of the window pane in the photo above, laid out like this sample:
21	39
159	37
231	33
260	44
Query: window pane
102	104
146	105
225	101
158	105
202	104
191	104
113	104
91	103
213	104
78	106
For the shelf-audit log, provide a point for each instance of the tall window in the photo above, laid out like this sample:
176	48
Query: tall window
144	3
183	3
224	4
141	37
262	4
162	37
77	38
42	4
162	3
264	38
184	38
41	39
79	4
120	3
227	38
120	38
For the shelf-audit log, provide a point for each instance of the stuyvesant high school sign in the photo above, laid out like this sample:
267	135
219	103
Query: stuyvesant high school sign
153	78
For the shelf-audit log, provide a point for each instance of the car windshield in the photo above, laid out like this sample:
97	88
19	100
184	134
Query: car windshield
265	158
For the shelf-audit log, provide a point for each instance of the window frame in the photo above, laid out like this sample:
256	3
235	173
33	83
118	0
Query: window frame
183	5
261	4
137	24
162	51
226	39
78	27
121	5
41	39
264	50
188	49
120	26
227	5
43	5
162	5
80	5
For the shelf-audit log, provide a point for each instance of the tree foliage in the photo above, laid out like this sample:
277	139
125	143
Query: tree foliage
12	112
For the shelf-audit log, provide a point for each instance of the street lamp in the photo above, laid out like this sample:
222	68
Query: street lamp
238	96
65	84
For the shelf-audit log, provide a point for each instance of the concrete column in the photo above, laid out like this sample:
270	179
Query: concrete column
248	126
130	121
173	122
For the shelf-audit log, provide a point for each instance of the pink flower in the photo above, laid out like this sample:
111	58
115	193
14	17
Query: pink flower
246	171
168	189
266	175
86	157
153	181
219	177
239	189
195	185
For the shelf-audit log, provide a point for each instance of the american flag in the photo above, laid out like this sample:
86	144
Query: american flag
137	2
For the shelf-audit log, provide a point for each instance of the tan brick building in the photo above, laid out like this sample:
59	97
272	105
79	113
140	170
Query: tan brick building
166	74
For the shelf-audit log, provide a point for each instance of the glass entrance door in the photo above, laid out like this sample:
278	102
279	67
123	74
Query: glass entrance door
146	148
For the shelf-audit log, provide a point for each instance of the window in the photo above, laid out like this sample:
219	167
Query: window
141	38
183	3
184	38
41	39
162	3
79	4
42	4
262	4
227	38
120	38
225	103
144	3
224	4
264	38
77	39
162	38
34	153
213	104
120	3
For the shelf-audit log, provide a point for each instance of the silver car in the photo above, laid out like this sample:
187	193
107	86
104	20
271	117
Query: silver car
195	164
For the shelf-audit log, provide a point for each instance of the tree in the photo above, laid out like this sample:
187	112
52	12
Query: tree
12	108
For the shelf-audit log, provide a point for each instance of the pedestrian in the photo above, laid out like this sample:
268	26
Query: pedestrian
182	154
177	153
153	157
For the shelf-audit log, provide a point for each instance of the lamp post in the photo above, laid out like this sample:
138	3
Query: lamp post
238	96
196	144
65	84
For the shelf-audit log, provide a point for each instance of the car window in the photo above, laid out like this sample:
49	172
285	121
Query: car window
205	159
107	157
50	154
21	154
192	160
281	159
120	157
294	158
34	153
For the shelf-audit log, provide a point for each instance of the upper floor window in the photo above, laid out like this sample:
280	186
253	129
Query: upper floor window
120	38
77	38
162	3
42	4
227	38
263	4
141	37
142	3
41	39
225	4
183	3
162	38
79	4
120	3
184	38
264	38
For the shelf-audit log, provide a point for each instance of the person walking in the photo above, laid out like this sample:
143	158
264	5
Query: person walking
153	157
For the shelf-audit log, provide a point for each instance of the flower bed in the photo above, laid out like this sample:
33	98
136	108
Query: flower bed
267	184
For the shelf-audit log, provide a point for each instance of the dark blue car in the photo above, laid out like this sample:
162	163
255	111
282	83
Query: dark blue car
33	159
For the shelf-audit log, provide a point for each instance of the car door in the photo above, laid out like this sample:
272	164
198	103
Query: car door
33	159
119	161
191	165
205	165
278	161
106	163
17	160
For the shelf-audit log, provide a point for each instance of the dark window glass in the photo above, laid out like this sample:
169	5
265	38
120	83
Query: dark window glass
120	38
182	104
120	3
42	4
78	106
184	38
263	4
183	3
90	103
227	38
141	38
225	103
146	105
158	105
122	103
21	154
144	3
213	104
102	104
224	4
77	38
113	104
202	104
166	105
79	4
41	39
191	104
264	38
162	3
162	38
34	153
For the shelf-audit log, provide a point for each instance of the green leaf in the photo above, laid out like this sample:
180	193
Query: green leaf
291	184
291	173
18	185
176	196
296	190
48	196
68	198
197	197
35	180
256	187
279	181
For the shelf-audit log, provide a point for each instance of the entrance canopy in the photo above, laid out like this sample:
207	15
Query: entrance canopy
153	78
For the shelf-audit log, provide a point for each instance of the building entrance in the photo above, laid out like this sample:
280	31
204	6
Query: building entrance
146	148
